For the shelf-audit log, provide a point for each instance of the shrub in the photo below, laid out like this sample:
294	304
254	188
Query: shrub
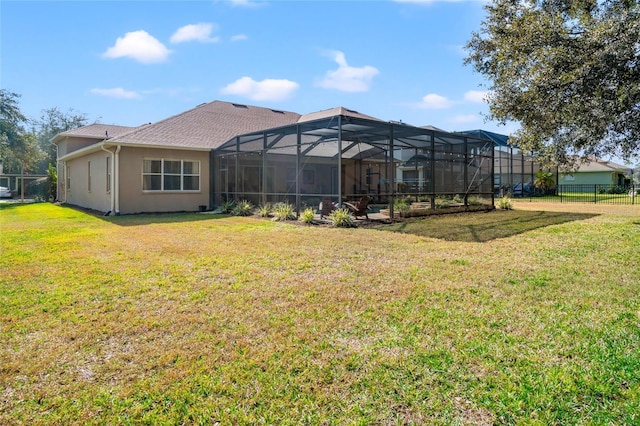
442	203
307	216
283	211
504	203
401	205
228	206
475	201
242	208
264	210
341	218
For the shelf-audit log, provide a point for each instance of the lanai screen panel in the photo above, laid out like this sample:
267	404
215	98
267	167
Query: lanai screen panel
345	158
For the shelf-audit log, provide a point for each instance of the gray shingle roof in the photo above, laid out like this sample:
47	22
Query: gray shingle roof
208	125
333	112
95	131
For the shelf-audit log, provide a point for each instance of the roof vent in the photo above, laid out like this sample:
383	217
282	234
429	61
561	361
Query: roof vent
351	110
277	111
240	106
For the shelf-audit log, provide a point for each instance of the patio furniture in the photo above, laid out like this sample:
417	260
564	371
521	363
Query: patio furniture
359	208
326	207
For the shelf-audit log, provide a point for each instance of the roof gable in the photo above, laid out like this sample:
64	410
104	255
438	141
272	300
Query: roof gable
332	112
94	131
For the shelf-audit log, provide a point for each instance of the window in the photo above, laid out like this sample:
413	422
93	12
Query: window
89	176
170	175
68	177
108	174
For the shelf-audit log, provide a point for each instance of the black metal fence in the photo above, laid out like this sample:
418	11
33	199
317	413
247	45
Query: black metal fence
599	194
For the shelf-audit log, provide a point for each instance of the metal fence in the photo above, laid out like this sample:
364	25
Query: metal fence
599	194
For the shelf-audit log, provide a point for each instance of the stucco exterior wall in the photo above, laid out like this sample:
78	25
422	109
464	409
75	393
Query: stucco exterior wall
70	144
86	191
587	178
134	200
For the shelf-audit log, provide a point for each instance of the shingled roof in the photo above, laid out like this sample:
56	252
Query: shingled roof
333	112
208	125
94	131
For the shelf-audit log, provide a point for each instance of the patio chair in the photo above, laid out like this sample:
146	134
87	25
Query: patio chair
359	208
326	207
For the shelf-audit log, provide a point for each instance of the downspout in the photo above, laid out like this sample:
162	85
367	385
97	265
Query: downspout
111	185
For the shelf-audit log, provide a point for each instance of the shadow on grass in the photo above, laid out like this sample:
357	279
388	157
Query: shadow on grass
482	227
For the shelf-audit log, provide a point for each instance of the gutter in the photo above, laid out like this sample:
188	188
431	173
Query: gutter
115	180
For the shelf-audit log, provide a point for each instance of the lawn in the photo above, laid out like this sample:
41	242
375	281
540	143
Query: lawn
529	316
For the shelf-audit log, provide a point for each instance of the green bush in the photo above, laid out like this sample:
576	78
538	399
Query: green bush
341	218
264	210
401	205
475	201
308	216
504	203
283	211
228	206
242	208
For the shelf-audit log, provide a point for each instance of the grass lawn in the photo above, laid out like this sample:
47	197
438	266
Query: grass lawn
529	316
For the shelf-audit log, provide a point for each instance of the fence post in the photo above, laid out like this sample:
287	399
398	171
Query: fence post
595	194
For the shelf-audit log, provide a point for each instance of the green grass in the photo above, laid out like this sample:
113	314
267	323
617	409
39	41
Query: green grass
530	316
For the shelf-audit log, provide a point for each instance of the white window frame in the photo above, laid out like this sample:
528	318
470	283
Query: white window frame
68	177
162	175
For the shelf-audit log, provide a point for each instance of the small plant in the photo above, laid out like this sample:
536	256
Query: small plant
228	206
341	218
307	216
242	208
401	205
475	201
504	203
442	203
458	199
283	211
264	210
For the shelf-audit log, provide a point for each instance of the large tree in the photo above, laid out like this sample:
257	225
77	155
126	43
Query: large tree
53	121
567	70
19	149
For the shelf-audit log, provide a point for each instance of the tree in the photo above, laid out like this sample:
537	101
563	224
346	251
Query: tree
53	121
567	70
19	149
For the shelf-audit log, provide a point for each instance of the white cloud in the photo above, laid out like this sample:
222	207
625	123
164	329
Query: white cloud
245	3
435	101
347	78
195	32
462	119
265	90
116	92
476	96
138	45
239	37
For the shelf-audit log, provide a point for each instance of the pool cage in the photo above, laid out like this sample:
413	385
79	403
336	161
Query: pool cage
344	158
514	170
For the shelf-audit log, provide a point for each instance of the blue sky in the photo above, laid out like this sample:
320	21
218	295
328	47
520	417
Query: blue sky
129	63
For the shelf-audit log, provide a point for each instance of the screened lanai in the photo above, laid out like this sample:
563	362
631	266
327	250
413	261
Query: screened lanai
344	158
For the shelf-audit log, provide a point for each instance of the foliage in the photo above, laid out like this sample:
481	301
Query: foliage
52	122
475	200
612	190
442	203
283	211
401	205
52	181
567	71
308	216
504	203
341	218
19	149
264	210
544	180
228	206
242	208
492	318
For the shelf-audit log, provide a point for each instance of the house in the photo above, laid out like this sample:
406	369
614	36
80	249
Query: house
598	172
219	151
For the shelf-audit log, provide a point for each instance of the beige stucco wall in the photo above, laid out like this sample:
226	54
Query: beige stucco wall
134	200
79	193
70	144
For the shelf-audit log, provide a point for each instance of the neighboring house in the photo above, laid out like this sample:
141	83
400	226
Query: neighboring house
598	172
220	150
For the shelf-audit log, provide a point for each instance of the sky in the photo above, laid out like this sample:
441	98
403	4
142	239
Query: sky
130	63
